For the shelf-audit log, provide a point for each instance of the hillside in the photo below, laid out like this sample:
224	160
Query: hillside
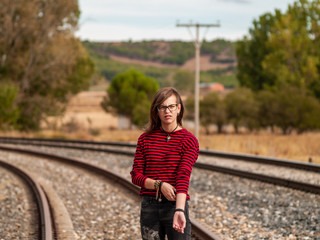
162	59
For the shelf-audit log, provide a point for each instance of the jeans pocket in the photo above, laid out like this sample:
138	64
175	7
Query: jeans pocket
145	202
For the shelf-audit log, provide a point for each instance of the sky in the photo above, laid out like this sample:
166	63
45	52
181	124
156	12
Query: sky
123	20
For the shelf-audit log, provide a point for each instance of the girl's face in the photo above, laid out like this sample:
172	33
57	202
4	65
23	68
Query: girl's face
169	110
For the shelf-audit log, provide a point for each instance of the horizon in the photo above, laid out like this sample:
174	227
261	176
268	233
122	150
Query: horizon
155	40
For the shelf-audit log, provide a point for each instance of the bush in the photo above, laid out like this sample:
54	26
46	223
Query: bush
294	109
242	109
130	94
9	112
212	111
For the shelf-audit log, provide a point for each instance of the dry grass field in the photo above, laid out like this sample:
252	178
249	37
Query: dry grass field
85	111
92	123
294	147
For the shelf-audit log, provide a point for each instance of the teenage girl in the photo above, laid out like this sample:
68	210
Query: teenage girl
162	167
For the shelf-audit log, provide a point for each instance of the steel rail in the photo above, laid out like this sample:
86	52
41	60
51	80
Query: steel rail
265	160
198	230
244	174
46	226
121	144
57	145
306	187
234	156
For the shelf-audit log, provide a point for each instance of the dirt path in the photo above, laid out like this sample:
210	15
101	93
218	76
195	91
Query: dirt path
141	62
205	63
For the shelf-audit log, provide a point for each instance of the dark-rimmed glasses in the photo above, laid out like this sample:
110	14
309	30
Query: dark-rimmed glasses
171	107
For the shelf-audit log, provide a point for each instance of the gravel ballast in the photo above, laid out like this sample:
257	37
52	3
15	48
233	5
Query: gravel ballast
232	207
99	209
18	211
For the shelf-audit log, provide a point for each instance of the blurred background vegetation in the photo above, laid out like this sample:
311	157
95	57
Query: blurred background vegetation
41	62
271	77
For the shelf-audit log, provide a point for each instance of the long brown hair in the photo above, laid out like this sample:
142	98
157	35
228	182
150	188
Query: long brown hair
162	95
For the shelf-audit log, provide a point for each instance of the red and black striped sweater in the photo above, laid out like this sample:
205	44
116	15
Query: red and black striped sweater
170	161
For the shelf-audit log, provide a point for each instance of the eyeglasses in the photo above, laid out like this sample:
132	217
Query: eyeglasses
171	107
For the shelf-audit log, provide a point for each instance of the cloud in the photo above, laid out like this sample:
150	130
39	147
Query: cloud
236	1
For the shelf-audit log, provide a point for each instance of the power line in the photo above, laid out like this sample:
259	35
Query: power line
197	45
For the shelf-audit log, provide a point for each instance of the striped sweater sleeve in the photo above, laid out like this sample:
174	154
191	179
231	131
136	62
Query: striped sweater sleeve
190	154
137	173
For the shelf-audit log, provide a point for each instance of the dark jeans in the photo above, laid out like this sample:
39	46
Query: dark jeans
156	220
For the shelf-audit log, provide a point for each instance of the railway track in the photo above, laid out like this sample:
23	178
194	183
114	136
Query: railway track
98	146
103	147
46	226
198	231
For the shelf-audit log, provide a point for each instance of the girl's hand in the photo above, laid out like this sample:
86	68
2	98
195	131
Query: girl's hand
168	191
179	222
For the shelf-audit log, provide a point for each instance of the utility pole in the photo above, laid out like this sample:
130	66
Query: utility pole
197	45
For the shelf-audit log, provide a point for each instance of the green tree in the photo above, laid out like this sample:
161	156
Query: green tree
242	109
267	109
141	113
212	111
41	56
309	114
294	48
130	94
9	111
184	81
283	49
189	107
252	51
294	109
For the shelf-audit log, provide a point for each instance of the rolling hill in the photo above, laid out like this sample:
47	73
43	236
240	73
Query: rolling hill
162	59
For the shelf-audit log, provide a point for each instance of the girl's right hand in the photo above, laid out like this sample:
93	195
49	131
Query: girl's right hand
168	191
